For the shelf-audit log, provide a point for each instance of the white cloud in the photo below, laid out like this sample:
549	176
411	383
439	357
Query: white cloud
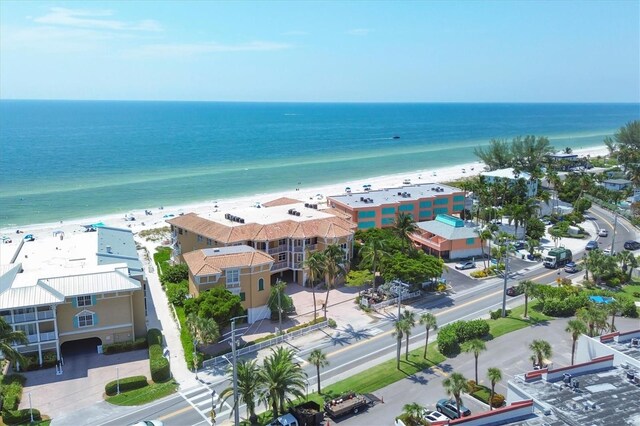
191	49
94	19
359	31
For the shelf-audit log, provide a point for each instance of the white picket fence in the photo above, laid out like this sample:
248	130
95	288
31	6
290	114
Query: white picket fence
394	301
222	359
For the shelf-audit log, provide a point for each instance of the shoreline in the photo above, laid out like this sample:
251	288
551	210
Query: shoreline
156	219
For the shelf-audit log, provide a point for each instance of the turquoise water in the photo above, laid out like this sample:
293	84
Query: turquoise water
69	159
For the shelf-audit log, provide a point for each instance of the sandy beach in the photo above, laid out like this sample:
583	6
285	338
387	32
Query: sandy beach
159	215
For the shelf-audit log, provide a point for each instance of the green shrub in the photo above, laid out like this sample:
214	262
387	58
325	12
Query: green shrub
629	308
177	293
332	323
306	324
564	307
126	384
175	274
636	294
452	335
19	417
497	400
116	348
498	314
11	391
159	365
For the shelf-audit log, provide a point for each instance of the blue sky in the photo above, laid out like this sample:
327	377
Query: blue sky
553	51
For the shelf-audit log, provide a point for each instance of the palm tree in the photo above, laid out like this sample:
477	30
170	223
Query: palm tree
319	359
315	263
484	235
613	307
528	289
576	328
8	338
334	267
628	261
541	350
595	318
281	378
429	321
410	318
475	346
413	412
404	226
248	386
400	326
372	253
455	384
203	330
494	375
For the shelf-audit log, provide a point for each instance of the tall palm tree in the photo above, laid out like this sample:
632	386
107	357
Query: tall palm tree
475	346
315	263
613	307
429	321
8	338
410	318
455	384
576	328
414	412
281	379
528	289
541	350
333	266
404	226
494	375
628	261
203	330
484	235
372	253
319	359
595	317
400	326
248	385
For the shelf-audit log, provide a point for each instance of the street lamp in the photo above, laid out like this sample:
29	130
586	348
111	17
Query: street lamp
195	356
236	411
506	277
214	398
117	380
30	408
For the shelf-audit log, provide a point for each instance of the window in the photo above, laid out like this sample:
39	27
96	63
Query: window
424	204
209	242
200	238
388	210
405	207
366	214
260	284
441	210
282	242
470	241
85	320
388	220
180	231
83	301
242	296
366	225
425	213
282	257
233	276
458	198
458	207
442	201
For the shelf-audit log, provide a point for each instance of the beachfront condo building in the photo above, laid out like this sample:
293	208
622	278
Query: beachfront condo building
279	234
74	293
512	176
448	237
379	208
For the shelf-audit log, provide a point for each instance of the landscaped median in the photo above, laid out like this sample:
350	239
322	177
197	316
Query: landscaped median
137	390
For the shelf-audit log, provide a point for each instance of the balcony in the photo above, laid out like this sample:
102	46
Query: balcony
24	317
8	319
278	249
44	315
47	337
280	265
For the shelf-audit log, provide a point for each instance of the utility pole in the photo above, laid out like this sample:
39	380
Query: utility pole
236	412
279	309
506	277
615	225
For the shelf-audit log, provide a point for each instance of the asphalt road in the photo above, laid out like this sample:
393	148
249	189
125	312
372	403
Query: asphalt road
350	351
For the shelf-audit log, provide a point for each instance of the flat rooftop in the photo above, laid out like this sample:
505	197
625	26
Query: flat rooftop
625	348
267	215
509	173
380	197
604	397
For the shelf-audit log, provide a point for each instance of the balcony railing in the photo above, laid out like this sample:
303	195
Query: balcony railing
8	319
24	317
45	337
278	249
280	265
43	315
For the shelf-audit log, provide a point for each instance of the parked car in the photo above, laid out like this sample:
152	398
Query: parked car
519	245
469	264
631	245
434	416
148	423
29	237
514	291
591	245
571	267
603	232
448	408
607	251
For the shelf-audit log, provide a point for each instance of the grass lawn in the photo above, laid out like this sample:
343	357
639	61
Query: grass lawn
630	289
144	395
515	321
161	258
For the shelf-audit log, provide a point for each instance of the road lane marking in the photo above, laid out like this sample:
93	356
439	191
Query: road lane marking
175	413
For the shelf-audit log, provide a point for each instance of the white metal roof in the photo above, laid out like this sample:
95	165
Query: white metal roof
93	282
34	295
509	173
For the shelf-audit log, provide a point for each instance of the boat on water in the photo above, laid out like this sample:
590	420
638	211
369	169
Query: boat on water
396	137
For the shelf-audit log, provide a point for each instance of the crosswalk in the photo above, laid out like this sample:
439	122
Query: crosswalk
199	398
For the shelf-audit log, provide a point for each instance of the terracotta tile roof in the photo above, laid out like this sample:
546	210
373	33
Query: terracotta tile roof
337	212
329	227
282	201
201	264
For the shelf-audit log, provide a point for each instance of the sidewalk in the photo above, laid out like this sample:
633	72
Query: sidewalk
159	316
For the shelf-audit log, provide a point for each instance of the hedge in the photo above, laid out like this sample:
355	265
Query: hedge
11	391
19	417
452	335
116	348
126	384
159	365
32	362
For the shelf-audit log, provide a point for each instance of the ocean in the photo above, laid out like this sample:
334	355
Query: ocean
61	160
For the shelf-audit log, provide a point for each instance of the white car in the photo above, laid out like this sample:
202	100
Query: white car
148	423
469	264
434	416
607	252
603	232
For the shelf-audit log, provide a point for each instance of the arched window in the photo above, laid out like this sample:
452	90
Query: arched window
261	284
